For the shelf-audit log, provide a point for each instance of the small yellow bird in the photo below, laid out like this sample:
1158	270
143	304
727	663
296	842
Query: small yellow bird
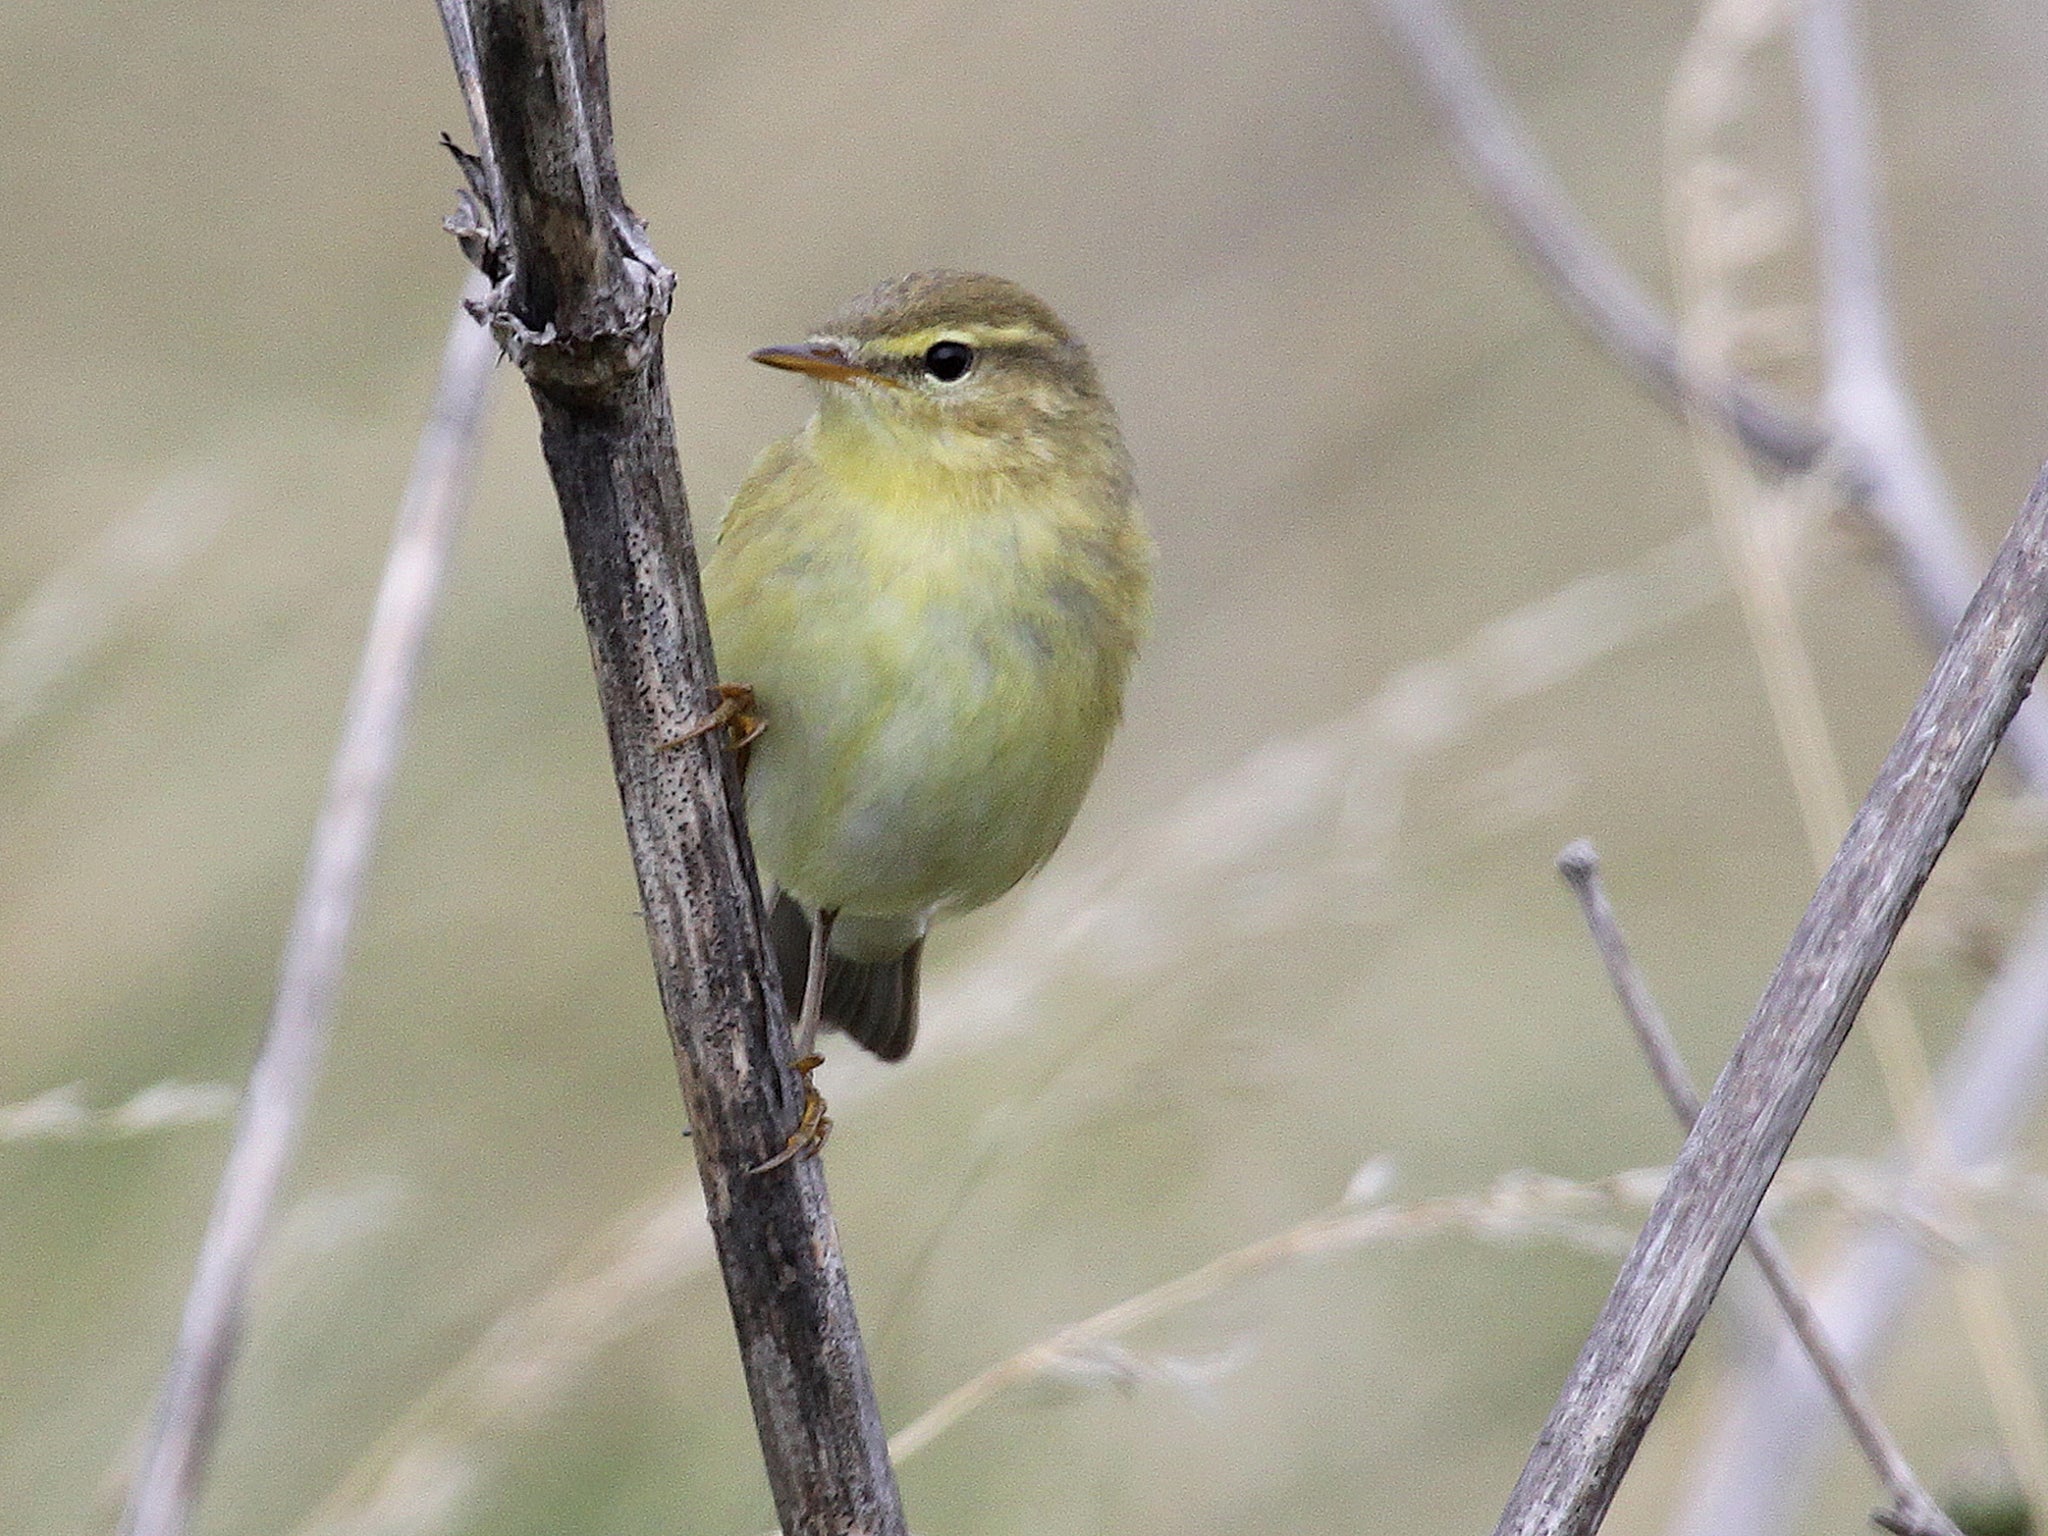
933	593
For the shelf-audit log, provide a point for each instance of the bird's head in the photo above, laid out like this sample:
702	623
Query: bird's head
969	373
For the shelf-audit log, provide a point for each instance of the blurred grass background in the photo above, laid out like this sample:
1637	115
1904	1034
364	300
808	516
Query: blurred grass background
1363	434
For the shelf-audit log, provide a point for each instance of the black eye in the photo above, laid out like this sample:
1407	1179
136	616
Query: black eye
948	361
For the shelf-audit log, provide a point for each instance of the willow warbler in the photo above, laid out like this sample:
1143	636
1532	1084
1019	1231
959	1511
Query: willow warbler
934	592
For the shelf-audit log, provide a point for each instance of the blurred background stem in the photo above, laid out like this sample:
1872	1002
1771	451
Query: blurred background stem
169	1477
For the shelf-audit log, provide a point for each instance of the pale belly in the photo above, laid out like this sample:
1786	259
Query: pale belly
910	773
931	727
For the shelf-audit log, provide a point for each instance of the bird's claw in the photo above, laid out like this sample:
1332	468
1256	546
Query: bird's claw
734	713
812	1126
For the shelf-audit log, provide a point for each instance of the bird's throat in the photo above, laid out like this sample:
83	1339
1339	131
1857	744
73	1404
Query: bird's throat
881	456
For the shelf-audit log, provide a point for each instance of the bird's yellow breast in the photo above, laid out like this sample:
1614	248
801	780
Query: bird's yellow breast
938	646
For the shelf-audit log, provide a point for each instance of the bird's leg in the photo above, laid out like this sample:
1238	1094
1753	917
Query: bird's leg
813	1125
734	712
810	1016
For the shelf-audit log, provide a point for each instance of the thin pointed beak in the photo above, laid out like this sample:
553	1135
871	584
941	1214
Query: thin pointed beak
820	360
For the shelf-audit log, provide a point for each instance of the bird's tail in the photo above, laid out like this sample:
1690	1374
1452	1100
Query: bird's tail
874	1001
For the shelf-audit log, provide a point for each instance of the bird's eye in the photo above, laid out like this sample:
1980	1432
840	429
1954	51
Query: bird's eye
948	361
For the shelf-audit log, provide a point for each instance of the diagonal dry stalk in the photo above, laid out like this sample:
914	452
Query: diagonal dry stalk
1874	412
1618	1383
1669	1279
1713	198
1762	1449
578	302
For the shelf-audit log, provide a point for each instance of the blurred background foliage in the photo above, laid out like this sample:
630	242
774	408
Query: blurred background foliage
1364	436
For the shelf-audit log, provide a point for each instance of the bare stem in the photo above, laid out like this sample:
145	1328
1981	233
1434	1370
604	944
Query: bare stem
578	301
1748	1122
1913	1511
174	1459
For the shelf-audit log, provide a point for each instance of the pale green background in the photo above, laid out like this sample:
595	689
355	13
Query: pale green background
1363	433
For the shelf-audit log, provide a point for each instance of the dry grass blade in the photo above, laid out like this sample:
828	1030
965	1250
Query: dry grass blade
75	609
63	1115
1518	1205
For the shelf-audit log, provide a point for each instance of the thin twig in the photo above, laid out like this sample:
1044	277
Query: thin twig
1914	1511
1757	1105
578	302
1765	1444
281	1085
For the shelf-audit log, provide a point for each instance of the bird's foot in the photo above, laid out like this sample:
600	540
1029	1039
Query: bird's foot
812	1126
733	714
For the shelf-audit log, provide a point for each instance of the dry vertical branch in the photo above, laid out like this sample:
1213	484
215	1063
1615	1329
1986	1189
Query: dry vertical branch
1756	1107
273	1113
1913	1511
578	302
